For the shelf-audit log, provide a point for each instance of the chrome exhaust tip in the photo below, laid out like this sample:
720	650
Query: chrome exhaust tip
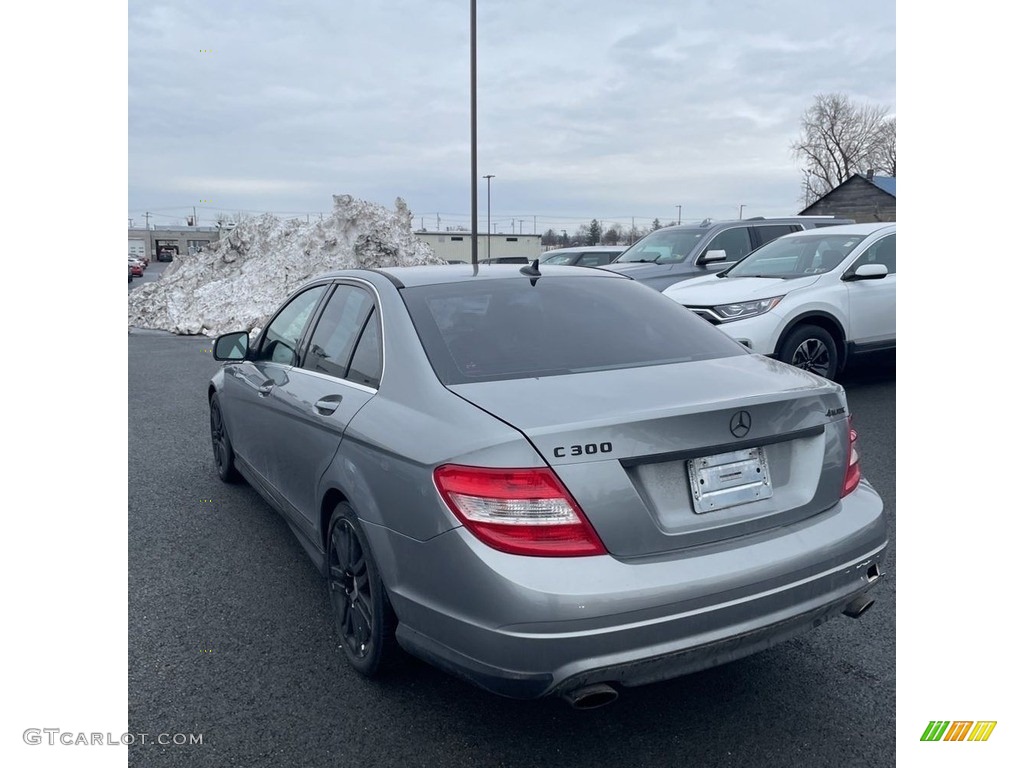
591	696
858	606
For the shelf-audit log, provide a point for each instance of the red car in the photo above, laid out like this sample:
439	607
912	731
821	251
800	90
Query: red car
136	268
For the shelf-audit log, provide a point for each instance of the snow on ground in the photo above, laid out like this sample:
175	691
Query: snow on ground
235	283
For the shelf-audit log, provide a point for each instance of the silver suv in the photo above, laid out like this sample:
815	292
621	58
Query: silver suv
671	254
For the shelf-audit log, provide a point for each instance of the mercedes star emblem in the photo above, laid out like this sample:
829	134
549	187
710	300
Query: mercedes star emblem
739	424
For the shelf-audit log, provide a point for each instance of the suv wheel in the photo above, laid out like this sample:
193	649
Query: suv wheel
813	349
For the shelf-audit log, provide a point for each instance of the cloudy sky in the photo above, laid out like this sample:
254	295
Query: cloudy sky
586	108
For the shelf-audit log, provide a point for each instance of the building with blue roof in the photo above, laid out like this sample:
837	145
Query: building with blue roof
864	197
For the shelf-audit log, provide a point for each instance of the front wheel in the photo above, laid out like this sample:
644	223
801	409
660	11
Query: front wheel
363	616
223	453
813	349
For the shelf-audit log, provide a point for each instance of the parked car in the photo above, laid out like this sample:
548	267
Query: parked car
130	275
135	267
583	256
671	254
165	255
546	484
811	299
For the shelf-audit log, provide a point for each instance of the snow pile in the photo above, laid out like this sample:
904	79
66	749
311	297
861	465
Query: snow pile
235	283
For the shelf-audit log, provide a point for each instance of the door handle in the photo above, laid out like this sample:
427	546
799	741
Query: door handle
325	406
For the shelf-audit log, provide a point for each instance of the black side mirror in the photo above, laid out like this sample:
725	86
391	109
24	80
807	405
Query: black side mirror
231	346
867	272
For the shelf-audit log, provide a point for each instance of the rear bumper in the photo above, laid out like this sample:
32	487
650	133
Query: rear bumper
530	627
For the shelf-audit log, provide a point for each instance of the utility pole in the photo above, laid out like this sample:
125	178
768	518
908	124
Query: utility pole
520	226
679	214
535	224
131	223
741	210
489	176
147	220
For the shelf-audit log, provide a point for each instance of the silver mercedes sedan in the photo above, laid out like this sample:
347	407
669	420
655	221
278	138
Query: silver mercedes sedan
547	481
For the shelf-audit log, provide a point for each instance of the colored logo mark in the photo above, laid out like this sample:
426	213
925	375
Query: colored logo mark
958	730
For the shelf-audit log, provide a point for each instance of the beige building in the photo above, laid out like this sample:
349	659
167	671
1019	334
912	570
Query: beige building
457	245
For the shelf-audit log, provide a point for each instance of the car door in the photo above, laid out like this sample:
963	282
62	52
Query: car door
248	384
339	373
873	302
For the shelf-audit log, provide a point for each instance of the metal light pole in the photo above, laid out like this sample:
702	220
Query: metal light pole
489	176
472	127
741	210
679	214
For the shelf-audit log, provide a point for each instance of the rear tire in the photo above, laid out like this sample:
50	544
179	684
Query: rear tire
363	617
811	348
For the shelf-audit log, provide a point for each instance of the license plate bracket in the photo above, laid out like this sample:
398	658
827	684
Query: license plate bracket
728	479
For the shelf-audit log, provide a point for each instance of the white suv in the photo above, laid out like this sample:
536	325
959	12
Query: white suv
810	299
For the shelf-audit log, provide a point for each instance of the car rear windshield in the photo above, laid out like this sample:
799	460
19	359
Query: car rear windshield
488	330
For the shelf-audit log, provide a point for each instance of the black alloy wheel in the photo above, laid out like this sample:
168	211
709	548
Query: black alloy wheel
223	453
363	616
813	349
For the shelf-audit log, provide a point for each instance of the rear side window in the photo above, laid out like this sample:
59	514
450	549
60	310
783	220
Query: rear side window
513	328
768	232
337	331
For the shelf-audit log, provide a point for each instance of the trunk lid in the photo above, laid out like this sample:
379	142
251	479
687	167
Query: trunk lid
628	445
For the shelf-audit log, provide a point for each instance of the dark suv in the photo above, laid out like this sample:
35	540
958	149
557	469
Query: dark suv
671	254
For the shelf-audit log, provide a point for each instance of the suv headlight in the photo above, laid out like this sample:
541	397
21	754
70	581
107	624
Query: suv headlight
745	309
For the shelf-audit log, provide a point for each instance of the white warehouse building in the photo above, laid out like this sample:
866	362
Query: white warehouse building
457	245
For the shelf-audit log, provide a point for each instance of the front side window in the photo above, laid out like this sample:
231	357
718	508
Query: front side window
281	339
337	331
882	252
735	242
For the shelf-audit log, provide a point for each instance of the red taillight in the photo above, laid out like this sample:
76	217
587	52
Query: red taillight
852	462
520	511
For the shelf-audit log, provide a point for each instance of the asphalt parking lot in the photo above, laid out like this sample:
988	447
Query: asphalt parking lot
230	636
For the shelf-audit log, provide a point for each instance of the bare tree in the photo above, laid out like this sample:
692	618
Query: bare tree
885	159
840	138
